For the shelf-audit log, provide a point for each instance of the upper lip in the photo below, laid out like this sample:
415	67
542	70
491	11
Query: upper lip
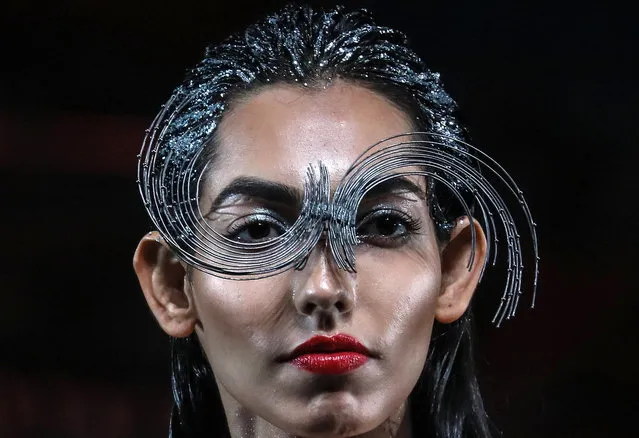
329	344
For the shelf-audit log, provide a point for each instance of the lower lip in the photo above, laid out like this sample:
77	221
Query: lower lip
330	363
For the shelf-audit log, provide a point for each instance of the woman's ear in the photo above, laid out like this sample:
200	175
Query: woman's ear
162	277
459	282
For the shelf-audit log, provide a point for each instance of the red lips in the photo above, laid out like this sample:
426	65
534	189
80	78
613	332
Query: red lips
337	354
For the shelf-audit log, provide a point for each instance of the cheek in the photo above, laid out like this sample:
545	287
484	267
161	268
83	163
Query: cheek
235	317
401	304
404	297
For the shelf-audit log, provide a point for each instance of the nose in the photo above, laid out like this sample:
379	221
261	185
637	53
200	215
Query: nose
323	289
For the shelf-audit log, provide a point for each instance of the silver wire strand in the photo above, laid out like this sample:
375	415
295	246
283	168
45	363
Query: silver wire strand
171	180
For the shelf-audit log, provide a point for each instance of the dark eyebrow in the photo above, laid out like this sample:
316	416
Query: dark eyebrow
394	185
278	193
261	189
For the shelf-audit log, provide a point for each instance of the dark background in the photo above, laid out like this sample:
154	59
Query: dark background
547	88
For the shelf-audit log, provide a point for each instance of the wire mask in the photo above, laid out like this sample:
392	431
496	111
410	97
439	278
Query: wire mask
170	184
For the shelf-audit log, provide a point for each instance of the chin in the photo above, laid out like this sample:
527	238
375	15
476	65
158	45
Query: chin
334	415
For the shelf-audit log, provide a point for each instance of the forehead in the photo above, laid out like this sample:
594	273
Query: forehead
277	132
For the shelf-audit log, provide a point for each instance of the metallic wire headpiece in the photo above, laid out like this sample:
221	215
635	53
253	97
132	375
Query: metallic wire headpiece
170	181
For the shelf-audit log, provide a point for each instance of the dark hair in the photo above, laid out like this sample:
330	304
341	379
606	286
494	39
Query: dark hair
310	48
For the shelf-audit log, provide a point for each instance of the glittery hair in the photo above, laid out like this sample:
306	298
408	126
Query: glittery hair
310	48
301	47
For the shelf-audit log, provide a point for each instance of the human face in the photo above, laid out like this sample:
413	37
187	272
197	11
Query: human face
249	329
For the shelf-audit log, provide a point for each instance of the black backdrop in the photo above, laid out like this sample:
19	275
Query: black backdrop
547	88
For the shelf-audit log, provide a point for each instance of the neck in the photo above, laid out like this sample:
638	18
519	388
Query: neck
243	423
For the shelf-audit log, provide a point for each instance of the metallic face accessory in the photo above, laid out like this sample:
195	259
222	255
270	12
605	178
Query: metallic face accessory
170	184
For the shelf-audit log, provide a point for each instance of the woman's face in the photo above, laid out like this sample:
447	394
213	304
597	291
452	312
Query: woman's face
250	329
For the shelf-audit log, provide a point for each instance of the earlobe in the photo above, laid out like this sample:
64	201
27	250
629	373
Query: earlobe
459	282
162	279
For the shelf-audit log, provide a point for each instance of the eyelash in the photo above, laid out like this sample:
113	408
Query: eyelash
411	226
244	223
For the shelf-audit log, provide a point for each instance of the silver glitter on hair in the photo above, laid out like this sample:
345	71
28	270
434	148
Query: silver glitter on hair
307	49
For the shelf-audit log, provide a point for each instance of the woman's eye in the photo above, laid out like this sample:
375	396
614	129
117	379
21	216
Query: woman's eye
256	230
384	226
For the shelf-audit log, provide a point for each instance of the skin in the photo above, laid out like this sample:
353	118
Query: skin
389	305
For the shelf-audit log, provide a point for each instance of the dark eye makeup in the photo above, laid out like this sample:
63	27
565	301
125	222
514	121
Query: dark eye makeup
381	226
255	228
386	227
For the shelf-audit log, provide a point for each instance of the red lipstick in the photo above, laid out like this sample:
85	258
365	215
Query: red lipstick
336	354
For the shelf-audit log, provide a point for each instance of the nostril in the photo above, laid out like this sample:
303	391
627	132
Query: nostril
308	308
